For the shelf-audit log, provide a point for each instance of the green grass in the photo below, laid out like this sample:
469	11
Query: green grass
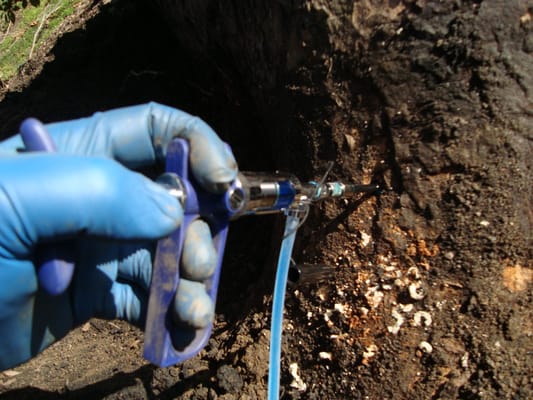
32	26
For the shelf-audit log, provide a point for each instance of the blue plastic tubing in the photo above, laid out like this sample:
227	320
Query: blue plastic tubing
291	226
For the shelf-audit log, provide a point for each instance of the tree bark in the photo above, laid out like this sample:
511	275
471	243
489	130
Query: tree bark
434	100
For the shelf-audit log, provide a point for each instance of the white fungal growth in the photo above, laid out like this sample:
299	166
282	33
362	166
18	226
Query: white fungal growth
425	347
392	271
370	351
365	239
394	329
413	272
406	308
374	296
399	283
383	259
464	360
297	382
340	308
416	291
422	318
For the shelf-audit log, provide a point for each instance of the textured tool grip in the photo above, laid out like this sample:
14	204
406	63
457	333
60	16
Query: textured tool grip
167	343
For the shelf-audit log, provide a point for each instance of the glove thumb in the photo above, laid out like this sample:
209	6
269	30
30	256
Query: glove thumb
46	197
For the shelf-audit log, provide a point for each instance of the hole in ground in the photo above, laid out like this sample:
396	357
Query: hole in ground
125	56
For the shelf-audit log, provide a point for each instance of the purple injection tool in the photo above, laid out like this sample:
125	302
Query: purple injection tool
168	342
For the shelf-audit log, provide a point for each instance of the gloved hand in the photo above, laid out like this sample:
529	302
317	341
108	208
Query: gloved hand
112	215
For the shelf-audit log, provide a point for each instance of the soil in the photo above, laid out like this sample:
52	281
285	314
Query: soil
429	292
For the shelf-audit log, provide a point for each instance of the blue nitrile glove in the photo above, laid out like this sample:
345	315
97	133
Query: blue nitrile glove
113	215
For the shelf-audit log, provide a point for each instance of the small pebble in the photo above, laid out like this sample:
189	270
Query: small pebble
449	255
229	379
10	373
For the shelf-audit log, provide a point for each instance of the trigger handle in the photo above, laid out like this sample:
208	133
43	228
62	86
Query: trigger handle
168	342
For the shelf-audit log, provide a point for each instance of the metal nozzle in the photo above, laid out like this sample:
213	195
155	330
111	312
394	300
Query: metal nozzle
353	188
338	189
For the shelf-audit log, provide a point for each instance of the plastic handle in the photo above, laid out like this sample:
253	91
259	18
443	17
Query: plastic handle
54	271
167	343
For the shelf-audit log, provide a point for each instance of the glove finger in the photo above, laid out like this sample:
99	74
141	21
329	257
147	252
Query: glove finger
142	133
122	134
30	319
97	294
127	302
212	162
135	264
127	261
138	136
49	196
192	305
97	290
199	258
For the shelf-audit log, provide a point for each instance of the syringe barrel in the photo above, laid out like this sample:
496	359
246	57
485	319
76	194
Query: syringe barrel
266	192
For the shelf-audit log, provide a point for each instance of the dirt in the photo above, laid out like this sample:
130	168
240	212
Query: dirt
430	297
